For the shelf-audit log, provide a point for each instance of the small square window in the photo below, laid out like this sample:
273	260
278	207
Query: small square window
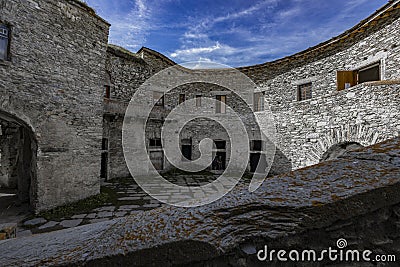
304	92
156	142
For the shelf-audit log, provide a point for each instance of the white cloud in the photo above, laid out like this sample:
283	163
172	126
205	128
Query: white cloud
195	53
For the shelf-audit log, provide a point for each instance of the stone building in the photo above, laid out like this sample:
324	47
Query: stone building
337	96
64	93
52	62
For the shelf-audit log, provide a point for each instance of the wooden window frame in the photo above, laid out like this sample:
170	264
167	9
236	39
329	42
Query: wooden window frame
304	91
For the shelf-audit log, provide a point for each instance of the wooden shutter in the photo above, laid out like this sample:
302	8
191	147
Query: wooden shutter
346	77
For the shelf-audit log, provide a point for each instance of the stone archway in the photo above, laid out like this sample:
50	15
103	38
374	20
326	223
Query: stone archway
339	149
18	153
348	133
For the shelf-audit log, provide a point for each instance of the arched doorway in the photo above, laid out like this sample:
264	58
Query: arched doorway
18	152
339	149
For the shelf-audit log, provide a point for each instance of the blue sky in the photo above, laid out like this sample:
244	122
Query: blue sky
231	32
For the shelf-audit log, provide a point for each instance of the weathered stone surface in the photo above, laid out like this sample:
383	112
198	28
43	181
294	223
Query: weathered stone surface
351	197
70	223
79	216
48	225
52	83
35	222
104	214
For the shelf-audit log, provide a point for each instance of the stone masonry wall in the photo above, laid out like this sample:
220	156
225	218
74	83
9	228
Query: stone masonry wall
53	82
364	113
308	128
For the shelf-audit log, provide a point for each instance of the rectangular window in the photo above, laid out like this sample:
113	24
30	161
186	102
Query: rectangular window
369	74
186	149
4	38
107	91
258	101
158	98
304	91
220	144
220	104
256	145
155	143
349	78
198	100
182	98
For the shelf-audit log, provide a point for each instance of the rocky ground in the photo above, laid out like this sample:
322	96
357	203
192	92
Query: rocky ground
127	198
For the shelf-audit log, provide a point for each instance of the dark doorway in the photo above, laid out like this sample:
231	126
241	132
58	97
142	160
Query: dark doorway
18	152
104	159
157	158
258	163
187	152
104	163
219	162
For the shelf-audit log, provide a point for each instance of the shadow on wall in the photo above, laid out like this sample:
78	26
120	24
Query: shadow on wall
281	164
339	150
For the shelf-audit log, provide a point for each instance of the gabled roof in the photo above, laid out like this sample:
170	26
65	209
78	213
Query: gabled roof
156	54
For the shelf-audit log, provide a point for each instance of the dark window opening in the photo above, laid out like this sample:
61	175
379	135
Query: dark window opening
104	144
220	144
220	104
304	92
219	162
4	42
369	74
107	92
187	152
182	98
258	102
155	143
350	78
257	145
258	163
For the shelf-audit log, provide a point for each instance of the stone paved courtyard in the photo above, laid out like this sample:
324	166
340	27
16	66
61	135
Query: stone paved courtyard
129	199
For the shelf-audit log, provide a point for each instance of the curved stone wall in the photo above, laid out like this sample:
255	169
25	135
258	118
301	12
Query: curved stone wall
366	113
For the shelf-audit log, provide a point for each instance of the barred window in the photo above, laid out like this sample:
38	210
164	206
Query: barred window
304	92
4	39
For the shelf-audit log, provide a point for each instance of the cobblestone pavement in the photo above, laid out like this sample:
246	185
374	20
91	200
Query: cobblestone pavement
131	199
